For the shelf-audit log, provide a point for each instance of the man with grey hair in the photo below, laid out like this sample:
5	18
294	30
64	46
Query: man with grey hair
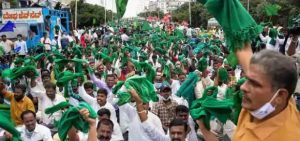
268	111
267	102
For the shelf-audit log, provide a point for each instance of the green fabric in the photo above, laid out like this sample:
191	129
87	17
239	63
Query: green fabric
149	70
121	7
19	60
73	118
273	35
272	9
146	26
140	84
202	64
167	72
29	61
55	108
64	78
7	74
6	123
210	108
67	76
2	52
187	89
238	25
160	50
78	64
210	91
24	70
223	75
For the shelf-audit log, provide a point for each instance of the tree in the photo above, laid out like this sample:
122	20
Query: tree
200	15
88	13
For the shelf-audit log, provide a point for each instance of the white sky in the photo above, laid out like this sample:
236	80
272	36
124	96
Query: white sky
133	6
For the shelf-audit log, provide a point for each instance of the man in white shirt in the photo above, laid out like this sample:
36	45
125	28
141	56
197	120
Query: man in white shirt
204	82
7	45
31	130
135	132
178	129
124	36
182	112
46	41
20	46
116	134
49	99
99	102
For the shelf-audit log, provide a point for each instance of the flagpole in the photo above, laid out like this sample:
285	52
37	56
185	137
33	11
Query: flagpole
75	14
112	7
105	12
248	5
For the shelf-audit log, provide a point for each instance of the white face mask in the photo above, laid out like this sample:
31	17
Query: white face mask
166	99
264	110
157	85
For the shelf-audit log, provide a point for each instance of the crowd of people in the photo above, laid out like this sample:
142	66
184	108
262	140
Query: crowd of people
150	81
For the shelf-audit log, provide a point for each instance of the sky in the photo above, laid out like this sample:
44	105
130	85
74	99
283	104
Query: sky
133	6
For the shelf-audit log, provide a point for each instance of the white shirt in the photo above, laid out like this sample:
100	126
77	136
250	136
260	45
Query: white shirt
117	133
7	45
221	92
267	40
21	47
124	37
94	104
40	133
136	132
175	86
47	43
46	102
124	121
199	89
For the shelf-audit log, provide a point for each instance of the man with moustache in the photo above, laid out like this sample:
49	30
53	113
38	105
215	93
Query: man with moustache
31	130
269	113
18	102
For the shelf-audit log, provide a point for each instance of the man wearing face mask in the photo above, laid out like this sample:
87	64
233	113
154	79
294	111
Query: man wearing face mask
18	102
267	102
165	108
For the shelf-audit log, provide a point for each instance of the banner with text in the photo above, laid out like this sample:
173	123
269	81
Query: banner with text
23	15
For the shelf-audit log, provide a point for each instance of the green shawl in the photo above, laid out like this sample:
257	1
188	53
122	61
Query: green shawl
143	87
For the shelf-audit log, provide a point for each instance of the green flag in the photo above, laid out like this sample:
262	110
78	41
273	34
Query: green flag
121	7
94	21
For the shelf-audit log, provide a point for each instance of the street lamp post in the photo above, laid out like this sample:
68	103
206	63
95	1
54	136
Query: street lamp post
190	12
75	14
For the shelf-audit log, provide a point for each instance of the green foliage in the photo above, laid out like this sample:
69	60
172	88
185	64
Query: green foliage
89	14
200	16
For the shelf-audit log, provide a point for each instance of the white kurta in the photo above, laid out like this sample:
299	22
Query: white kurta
136	132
